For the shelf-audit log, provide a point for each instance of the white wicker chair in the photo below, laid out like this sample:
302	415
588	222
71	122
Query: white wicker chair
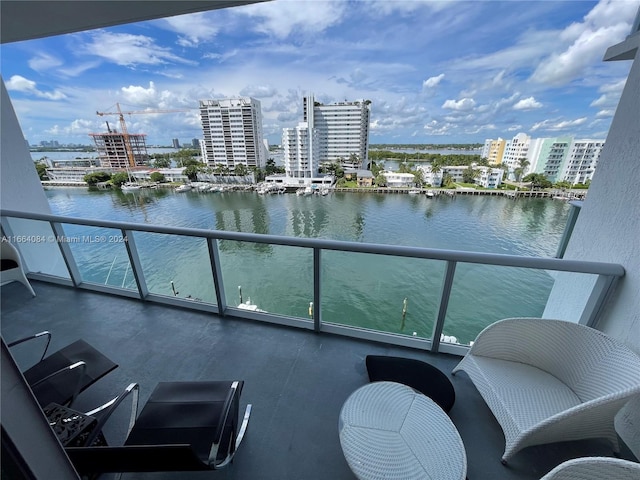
12	266
595	468
550	380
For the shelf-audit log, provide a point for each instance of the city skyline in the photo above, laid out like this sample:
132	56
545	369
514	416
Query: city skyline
435	72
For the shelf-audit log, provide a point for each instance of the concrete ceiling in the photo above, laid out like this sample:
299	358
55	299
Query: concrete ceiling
27	19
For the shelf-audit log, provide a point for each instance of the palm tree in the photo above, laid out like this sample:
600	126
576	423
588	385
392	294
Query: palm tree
523	163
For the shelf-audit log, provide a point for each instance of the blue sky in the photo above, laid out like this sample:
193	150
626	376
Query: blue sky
435	72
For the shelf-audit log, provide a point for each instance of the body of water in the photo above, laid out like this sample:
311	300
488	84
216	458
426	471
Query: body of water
358	289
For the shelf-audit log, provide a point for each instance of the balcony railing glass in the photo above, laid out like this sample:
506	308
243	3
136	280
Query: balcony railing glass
424	298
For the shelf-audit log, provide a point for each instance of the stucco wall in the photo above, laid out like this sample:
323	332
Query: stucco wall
608	228
20	189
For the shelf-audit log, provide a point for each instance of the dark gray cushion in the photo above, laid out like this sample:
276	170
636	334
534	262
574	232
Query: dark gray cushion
418	375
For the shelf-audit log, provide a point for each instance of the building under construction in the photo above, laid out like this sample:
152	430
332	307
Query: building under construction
120	150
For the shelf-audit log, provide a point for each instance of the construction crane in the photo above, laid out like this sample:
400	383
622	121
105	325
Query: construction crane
123	125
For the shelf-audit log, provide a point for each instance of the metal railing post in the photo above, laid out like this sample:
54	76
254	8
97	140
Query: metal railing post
576	206
134	260
445	294
216	270
317	297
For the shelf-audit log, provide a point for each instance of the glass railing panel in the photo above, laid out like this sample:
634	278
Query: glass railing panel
176	266
37	244
379	292
276	279
100	255
483	294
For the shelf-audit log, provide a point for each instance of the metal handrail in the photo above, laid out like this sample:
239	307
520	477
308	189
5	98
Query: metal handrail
543	263
607	274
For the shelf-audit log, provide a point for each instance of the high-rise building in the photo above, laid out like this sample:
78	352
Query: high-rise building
176	143
343	130
583	160
117	150
300	152
232	130
515	149
558	159
494	150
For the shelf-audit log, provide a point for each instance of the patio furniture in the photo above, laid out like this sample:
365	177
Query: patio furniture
550	380
11	266
61	376
595	468
184	426
390	431
418	375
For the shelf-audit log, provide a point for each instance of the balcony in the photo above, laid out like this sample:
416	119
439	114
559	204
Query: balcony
296	380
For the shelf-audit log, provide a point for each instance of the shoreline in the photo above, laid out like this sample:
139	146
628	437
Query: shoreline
429	192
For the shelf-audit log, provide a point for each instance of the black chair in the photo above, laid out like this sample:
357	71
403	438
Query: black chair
184	426
61	376
418	375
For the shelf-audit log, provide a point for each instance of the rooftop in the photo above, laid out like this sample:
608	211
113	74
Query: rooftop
297	380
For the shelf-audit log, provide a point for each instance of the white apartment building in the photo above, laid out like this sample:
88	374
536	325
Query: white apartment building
559	158
488	178
396	179
343	130
232	133
514	150
300	153
583	160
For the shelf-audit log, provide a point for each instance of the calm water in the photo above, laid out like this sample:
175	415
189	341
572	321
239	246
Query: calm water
358	289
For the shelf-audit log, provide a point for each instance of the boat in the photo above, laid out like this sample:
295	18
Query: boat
130	187
304	192
183	188
430	194
415	191
250	307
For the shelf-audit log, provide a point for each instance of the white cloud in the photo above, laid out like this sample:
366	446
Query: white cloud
286	17
129	50
432	82
193	29
553	125
149	97
582	44
259	91
43	62
514	128
527	104
463	104
18	83
438	128
611	93
605	113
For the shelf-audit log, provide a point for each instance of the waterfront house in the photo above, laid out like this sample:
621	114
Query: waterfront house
294	430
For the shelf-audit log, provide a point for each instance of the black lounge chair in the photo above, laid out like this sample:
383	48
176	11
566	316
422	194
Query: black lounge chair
184	426
61	376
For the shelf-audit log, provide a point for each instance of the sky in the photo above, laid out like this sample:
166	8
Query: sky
436	72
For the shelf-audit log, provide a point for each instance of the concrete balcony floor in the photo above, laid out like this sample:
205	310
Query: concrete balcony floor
296	380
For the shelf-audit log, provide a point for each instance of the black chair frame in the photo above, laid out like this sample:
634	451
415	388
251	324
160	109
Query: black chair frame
90	460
